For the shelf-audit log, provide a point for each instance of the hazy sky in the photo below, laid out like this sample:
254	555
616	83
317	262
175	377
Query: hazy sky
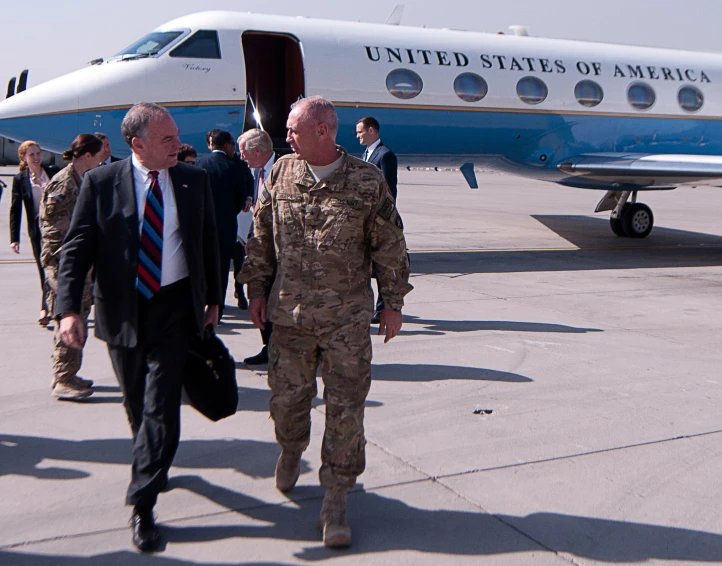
39	36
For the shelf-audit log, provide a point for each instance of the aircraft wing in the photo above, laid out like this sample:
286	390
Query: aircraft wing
632	171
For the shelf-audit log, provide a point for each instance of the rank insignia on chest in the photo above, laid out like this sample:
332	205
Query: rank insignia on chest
353	202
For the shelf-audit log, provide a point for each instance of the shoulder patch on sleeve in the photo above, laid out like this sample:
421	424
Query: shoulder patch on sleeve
265	196
387	209
56	198
398	222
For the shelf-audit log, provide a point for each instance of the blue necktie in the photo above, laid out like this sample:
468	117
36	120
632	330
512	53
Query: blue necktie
150	254
366	155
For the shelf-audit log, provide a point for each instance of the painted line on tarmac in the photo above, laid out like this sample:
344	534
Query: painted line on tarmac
567	249
9	261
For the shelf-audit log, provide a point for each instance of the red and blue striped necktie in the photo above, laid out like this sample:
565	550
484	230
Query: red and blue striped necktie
150	254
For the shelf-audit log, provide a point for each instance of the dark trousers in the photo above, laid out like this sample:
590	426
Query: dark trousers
239	256
150	376
37	246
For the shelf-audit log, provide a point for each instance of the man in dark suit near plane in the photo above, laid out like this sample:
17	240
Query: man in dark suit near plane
232	188
146	227
105	156
367	132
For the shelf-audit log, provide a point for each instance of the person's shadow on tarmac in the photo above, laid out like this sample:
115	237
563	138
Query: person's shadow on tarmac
380	523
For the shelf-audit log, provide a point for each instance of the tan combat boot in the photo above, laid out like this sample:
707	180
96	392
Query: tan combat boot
88	383
72	390
288	468
332	522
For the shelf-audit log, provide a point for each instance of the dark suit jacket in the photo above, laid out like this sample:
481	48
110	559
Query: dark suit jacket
385	160
231	185
22	194
104	233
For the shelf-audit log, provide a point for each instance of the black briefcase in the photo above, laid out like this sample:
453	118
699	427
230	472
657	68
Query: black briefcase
209	377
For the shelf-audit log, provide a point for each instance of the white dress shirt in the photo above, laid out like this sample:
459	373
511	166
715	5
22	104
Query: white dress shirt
370	149
174	266
245	219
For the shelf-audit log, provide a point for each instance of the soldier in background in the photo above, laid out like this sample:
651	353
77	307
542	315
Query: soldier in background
56	209
322	217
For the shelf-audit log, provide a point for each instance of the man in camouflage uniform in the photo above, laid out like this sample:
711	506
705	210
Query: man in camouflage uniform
321	218
56	209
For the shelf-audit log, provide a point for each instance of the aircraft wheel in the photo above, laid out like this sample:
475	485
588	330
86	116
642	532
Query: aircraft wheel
617	224
638	220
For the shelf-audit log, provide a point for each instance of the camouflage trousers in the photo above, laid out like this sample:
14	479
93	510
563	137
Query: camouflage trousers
344	354
66	361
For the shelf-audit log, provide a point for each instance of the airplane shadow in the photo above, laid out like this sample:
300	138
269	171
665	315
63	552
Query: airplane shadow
384	524
594	232
599	250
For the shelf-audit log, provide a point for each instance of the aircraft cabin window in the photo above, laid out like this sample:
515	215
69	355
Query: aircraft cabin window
151	44
588	93
690	98
404	83
532	90
470	87
641	96
203	44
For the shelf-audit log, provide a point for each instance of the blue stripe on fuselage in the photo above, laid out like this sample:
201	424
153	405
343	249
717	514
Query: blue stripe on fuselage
516	140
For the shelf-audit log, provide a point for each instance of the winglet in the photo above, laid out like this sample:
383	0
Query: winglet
395	18
467	170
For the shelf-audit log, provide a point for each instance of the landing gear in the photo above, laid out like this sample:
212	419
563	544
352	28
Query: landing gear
628	219
617	223
637	220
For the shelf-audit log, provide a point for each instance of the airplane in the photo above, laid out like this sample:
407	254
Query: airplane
616	118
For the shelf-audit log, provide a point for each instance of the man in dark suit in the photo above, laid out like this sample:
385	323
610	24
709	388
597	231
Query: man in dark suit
146	226
232	187
105	156
367	132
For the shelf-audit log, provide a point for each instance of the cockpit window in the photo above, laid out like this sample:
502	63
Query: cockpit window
203	44
151	44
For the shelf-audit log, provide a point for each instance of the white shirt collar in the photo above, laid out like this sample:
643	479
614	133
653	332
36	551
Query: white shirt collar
370	149
141	171
269	164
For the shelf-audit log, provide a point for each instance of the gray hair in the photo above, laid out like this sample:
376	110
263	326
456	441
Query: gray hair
256	138
136	121
320	110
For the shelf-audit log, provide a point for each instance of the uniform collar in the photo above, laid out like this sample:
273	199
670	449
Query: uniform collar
304	177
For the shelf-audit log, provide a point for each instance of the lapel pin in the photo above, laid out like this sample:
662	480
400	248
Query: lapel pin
185	186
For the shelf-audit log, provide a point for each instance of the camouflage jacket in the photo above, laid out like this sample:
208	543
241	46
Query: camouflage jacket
319	239
56	209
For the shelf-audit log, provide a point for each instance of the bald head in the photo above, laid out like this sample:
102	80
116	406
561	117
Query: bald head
319	111
312	127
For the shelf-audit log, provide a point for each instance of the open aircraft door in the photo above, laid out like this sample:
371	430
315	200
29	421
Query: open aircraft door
275	79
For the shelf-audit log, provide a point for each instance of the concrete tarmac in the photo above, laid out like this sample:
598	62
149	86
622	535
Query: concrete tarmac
554	398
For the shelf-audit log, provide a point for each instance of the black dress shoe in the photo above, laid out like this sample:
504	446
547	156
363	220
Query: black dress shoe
259	359
146	536
243	303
